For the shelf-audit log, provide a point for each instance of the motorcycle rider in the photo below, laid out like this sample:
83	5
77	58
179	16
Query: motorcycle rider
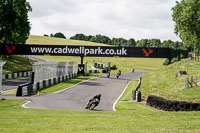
108	74
118	73
96	99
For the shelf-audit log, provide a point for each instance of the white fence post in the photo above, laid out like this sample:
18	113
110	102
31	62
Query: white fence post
186	82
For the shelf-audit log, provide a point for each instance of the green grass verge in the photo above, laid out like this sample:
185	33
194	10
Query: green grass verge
68	83
164	83
10	92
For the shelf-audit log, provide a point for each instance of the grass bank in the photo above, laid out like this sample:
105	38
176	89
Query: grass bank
164	83
16	63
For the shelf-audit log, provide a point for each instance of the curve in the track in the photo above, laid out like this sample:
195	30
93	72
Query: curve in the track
76	97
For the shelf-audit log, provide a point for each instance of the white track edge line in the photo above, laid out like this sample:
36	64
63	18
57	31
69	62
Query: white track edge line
120	96
24	105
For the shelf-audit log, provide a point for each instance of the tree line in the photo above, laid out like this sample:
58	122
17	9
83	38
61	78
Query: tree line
156	43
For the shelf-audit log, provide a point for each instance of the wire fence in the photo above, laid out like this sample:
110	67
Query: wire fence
193	56
193	81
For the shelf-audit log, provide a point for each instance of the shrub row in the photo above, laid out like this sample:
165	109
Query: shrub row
169	105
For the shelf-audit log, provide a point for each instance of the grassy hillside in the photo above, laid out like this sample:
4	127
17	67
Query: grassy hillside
34	39
163	82
124	64
16	63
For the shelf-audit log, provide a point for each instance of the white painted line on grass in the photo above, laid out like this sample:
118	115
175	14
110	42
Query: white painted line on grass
24	105
120	96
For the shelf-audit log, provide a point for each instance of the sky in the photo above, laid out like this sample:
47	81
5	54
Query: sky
138	19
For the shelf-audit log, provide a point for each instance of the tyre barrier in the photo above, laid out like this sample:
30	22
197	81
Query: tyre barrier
16	75
19	89
93	71
169	105
30	89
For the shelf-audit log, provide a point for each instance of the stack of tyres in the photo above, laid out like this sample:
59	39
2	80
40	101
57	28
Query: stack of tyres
169	105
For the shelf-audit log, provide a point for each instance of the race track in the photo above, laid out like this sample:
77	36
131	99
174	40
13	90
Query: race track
14	83
76	97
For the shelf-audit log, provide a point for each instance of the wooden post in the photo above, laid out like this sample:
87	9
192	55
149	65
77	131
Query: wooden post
186	82
192	79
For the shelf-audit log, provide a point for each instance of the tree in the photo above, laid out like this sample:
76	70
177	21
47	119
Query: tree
79	37
14	23
92	39
186	15
143	43
156	43
46	35
102	39
167	44
51	35
119	41
88	38
59	35
131	43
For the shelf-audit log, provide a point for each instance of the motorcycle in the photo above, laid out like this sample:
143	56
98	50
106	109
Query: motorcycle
118	74
92	103
108	75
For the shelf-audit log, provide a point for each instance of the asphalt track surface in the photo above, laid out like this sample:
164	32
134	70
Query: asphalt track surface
76	97
13	84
